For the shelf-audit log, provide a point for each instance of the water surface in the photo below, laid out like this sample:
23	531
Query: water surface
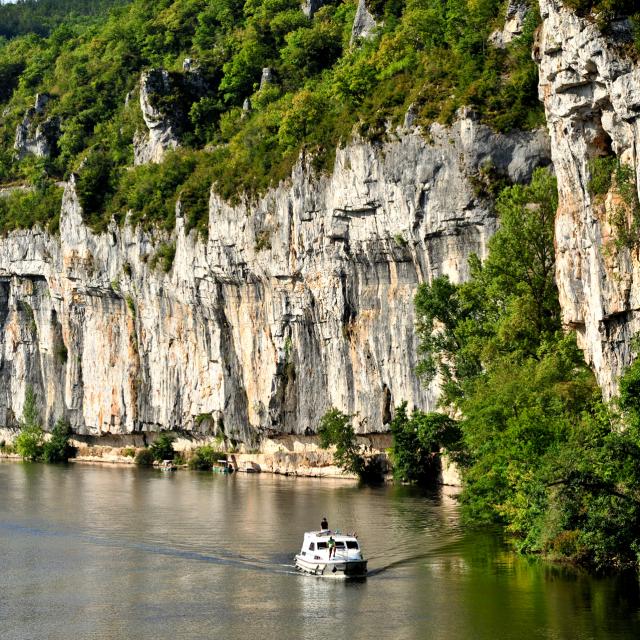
112	553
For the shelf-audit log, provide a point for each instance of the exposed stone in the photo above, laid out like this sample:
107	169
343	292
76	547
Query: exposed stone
514	22
162	127
411	117
591	93
364	24
268	77
35	135
309	7
298	301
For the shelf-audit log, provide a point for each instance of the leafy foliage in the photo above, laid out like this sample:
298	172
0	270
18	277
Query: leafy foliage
608	174
417	443
335	429
144	457
162	447
204	457
428	53
509	307
58	448
543	454
41	16
30	440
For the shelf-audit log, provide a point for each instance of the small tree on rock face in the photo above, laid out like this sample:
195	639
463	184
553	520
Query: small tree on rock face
30	440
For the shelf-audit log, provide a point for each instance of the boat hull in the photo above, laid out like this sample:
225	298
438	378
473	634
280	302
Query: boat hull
338	569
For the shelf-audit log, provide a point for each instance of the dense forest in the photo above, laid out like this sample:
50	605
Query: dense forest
430	54
42	16
540	451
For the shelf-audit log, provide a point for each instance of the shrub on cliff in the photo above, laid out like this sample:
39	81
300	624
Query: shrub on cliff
417	442
144	458
162	447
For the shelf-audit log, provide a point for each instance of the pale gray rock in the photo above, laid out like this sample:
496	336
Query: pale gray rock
267	78
309	7
298	301
591	93
161	134
514	22
36	135
364	24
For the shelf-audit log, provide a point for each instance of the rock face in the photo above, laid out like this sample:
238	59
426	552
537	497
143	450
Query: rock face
309	7
591	93
155	85
364	23
513	25
37	135
296	302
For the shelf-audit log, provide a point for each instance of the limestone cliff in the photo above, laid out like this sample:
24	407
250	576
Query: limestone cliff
296	301
590	86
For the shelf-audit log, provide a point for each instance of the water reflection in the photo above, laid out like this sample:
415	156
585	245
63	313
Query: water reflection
114	553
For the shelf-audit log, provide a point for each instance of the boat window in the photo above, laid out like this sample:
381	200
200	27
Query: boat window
312	546
352	544
322	545
339	544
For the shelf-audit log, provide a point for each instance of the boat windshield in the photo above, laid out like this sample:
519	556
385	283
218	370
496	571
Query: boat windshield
322	545
352	544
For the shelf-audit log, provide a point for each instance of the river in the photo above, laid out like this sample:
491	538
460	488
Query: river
110	553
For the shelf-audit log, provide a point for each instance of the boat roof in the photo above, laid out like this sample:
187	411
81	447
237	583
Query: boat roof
325	534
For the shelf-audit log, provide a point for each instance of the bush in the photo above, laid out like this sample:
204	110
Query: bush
144	458
58	448
203	458
162	447
336	430
30	440
417	441
129	452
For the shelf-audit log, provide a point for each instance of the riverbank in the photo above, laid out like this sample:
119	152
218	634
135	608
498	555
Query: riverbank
290	455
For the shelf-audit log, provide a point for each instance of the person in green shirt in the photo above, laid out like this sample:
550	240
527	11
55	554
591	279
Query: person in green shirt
332	547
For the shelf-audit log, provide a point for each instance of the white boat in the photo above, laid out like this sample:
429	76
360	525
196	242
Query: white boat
346	563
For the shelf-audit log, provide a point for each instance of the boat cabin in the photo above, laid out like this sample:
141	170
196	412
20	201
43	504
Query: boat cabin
316	546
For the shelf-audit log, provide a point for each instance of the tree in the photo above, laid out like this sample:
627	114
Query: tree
162	447
31	437
417	442
58	448
336	430
509	307
543	455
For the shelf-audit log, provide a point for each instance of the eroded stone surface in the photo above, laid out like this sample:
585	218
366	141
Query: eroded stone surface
297	302
591	93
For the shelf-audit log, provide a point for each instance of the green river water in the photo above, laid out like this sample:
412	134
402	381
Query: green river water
110	553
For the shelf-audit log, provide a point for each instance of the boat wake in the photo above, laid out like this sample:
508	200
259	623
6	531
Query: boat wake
277	564
225	558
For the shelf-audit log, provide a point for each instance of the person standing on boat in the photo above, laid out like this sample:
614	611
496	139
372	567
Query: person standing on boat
324	525
332	547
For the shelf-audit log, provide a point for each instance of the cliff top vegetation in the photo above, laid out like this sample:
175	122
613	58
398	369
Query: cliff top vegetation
431	55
